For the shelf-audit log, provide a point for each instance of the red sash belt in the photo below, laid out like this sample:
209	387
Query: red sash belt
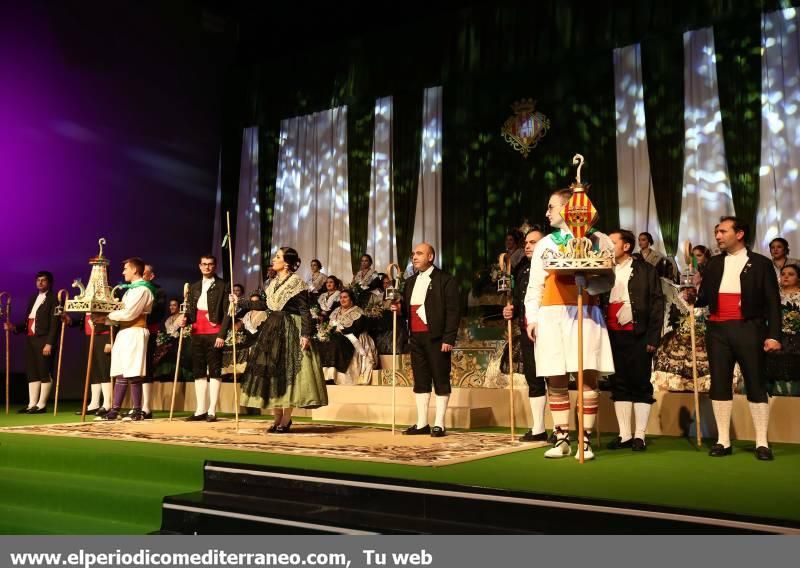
417	325
87	329
30	327
613	321
729	308
204	327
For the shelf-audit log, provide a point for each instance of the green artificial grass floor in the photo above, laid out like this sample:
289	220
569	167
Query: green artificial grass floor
58	485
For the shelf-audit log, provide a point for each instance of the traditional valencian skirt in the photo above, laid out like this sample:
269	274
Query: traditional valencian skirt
279	373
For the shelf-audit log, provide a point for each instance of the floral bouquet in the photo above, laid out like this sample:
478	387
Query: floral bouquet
324	332
791	320
240	337
316	312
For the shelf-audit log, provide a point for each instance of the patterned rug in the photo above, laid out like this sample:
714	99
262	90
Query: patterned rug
306	439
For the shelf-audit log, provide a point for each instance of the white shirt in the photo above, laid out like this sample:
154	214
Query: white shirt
202	301
420	292
619	293
734	264
36	305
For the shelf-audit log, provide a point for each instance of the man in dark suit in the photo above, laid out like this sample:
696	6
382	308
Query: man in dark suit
741	292
430	305
41	328
207	311
537	390
635	317
154	320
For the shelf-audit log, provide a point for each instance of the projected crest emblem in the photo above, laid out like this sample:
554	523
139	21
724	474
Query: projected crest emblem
526	128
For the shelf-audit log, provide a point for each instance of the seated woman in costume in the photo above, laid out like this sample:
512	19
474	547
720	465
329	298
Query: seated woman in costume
316	280
283	368
346	350
366	281
381	323
783	367
166	352
329	299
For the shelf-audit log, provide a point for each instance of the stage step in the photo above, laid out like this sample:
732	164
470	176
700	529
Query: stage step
242	498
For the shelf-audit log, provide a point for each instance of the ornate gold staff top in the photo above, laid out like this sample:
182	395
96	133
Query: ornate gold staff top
393	290
579	215
96	296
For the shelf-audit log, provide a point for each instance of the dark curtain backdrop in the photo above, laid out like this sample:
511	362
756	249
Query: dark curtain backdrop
486	57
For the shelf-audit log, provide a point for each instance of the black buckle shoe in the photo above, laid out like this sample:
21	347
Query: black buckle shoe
37	410
618	444
718	450
272	429
102	411
638	445
25	410
283	429
438	432
211	418
529	436
764	453
414	431
197	417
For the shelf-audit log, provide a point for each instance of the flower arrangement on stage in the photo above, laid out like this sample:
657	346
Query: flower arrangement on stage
240	337
324	332
791	320
316	312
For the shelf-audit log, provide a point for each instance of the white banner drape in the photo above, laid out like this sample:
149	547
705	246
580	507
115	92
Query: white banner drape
779	187
247	246
637	205
311	200
706	186
381	243
428	216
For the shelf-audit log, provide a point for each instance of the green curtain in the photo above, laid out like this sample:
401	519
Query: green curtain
662	77
738	51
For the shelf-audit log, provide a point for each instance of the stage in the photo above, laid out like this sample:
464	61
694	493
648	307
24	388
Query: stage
80	485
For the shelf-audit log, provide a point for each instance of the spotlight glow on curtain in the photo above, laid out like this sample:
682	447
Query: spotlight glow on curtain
247	252
381	228
428	216
779	188
637	205
706	188
311	203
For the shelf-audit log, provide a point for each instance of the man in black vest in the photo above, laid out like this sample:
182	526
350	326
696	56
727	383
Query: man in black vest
537	391
635	317
207	311
741	292
430	305
154	319
41	328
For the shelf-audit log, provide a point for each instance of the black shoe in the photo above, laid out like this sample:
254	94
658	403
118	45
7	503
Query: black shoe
618	444
718	450
135	416
283	429
529	436
37	410
26	410
272	429
764	453
147	415
197	417
211	418
438	432
638	445
101	412
110	415
414	431
88	411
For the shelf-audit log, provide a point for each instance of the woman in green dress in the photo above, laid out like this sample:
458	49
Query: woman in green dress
283	369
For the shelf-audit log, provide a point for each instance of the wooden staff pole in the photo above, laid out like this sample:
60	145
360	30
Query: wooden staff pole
232	312
580	280
63	296
180	348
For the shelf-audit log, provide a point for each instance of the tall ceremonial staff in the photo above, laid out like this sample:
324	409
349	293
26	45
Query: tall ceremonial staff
94	298
232	312
63	296
184	307
687	281
393	295
6	314
505	285
580	261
